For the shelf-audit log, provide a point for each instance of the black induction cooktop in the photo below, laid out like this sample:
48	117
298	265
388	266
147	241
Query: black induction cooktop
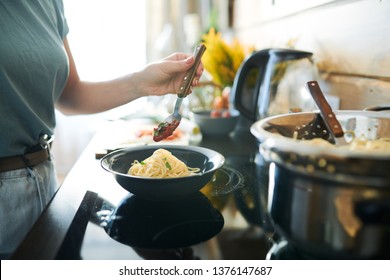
227	219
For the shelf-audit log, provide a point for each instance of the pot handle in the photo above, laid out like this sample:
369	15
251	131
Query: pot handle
374	211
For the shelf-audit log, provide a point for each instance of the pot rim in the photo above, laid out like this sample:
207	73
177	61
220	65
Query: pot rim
271	140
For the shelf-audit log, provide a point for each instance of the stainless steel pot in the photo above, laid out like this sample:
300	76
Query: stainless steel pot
330	203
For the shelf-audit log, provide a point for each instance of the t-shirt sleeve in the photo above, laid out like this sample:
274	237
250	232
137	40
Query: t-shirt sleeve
62	24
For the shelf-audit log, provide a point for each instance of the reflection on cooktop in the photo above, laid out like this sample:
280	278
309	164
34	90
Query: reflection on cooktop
142	223
226	180
283	250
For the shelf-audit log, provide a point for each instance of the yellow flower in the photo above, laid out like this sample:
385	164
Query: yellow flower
222	60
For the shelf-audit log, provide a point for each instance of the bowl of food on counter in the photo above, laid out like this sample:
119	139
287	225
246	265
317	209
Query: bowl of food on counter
215	122
165	172
220	119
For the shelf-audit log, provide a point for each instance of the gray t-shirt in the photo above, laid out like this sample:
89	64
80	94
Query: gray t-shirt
33	70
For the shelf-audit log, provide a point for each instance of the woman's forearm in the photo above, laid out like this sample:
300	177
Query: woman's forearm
93	97
159	78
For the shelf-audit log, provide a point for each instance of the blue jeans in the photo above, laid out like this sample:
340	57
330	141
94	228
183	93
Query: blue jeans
24	193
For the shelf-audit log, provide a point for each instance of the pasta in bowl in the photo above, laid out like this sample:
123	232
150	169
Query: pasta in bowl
162	164
154	173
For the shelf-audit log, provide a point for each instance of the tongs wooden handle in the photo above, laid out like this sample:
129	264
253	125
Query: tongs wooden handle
189	77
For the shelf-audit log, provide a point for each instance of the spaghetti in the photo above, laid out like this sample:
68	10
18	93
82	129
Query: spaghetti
161	164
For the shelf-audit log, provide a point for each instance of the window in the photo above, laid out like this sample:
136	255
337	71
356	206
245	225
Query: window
107	39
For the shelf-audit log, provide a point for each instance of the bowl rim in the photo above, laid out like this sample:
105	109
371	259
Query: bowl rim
202	114
105	164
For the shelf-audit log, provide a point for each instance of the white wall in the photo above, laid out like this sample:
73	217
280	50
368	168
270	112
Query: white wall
349	39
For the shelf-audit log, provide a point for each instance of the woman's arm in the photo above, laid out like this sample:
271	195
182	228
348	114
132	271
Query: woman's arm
162	77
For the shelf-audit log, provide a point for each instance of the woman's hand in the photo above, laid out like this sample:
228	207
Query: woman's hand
167	75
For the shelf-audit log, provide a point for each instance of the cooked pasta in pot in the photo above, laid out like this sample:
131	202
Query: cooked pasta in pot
161	164
381	145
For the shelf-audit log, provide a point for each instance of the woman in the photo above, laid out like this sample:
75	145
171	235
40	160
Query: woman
37	75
